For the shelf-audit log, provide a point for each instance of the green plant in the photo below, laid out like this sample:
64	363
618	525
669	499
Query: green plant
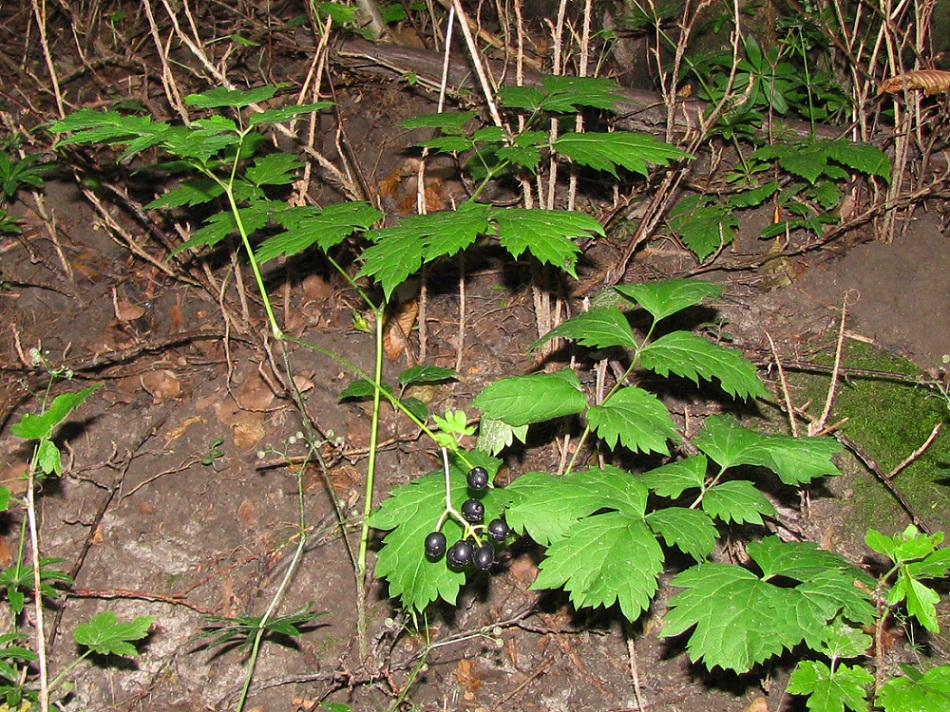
104	634
14	175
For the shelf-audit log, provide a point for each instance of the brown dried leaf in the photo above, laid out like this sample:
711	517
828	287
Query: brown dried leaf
161	384
255	393
175	433
396	331
465	673
932	81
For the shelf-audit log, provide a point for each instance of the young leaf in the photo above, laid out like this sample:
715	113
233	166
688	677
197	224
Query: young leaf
41	427
666	297
546	234
794	460
599	328
105	635
425	374
361	388
520	400
928	693
607	558
693	357
736	501
831	691
921	601
546	506
635	417
411	513
495	435
673	479
689	530
306	225
606	151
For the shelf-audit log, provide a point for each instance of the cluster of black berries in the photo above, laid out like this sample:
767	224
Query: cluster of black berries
465	552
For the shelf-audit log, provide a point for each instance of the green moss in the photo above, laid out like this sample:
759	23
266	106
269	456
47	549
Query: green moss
888	420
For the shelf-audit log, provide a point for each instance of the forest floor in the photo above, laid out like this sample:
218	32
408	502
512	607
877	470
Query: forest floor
165	508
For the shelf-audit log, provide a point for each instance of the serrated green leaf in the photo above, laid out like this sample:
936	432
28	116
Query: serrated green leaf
794	460
520	400
935	565
606	151
831	691
798	560
567	95
448	122
930	693
635	417
861	157
689	530
495	435
598	328
842	641
273	169
276	116
693	357
48	458
736	501
522	97
526	156
739	619
703	228
666	297
411	513
673	479
426	374
4	499
220	225
547	234
361	388
191	192
754	197
920	600
546	506
305	226
881	543
235	98
105	635
41	427
605	559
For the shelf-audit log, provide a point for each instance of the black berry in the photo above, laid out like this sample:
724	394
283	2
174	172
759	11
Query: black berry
435	546
484	557
477	478
498	530
473	511
460	555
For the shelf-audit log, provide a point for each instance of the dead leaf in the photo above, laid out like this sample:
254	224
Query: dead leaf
399	324
255	393
932	81
6	554
464	673
246	514
175	433
161	384
757	705
176	318
317	288
302	383
248	429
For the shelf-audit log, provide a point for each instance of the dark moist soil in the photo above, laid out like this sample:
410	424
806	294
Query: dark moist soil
165	508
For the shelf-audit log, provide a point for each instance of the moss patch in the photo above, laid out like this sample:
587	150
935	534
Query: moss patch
888	420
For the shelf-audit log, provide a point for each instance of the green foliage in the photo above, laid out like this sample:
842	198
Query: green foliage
105	635
916	692
241	630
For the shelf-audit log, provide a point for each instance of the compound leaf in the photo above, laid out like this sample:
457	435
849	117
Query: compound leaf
921	600
105	635
636	418
606	151
448	122
693	357
673	479
739	619
520	400
666	297
306	225
273	169
546	506
689	530
929	692
495	435
736	501
599	328
861	157
703	228
611	557
831	691
220	225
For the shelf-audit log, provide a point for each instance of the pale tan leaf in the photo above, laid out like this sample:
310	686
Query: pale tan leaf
161	384
398	326
932	81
